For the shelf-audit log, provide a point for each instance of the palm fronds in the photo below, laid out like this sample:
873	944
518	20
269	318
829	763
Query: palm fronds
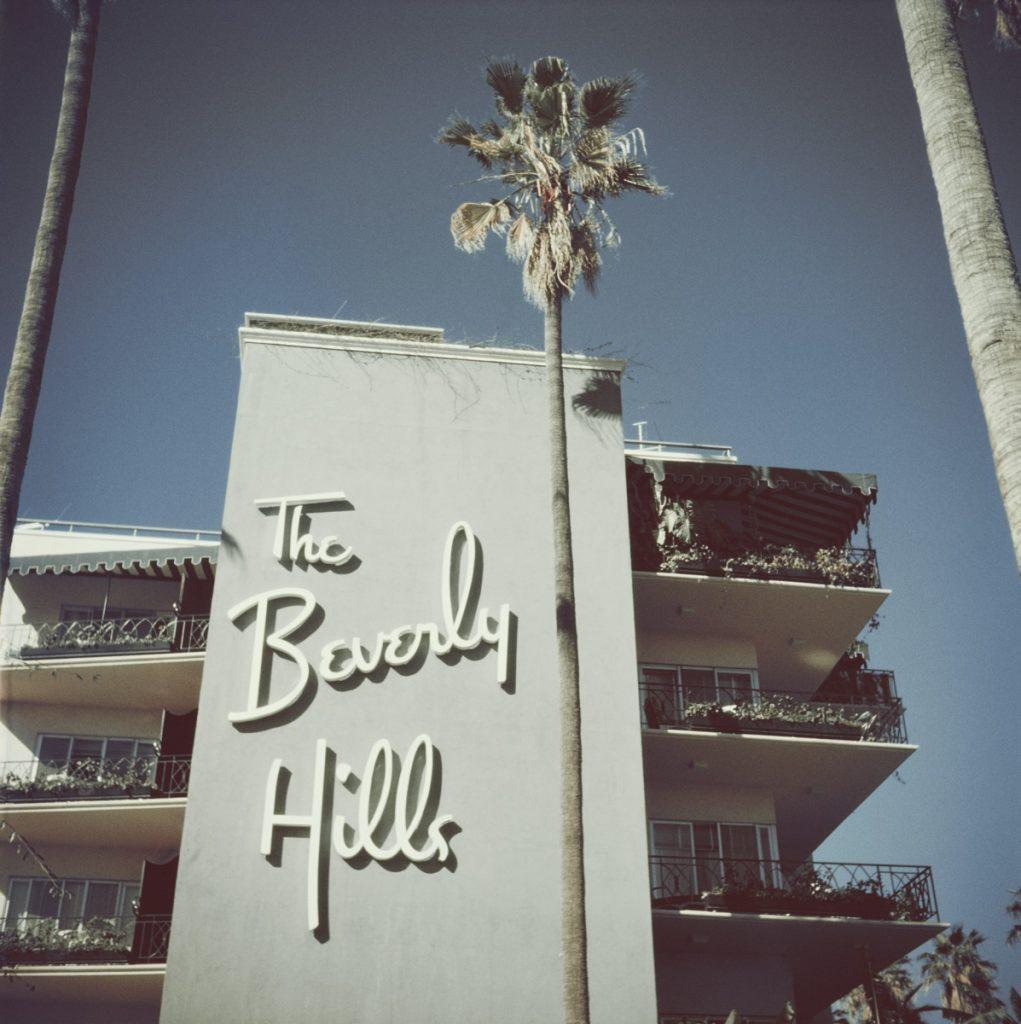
1008	23
1014	910
604	101
558	155
550	71
965	979
471	222
507	80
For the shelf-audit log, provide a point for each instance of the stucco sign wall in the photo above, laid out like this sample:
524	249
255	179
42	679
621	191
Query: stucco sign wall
396	815
373	823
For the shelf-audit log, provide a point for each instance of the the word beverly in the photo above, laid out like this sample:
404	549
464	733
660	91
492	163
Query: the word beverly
462	629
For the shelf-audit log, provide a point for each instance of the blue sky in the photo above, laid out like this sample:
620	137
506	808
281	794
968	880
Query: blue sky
791	297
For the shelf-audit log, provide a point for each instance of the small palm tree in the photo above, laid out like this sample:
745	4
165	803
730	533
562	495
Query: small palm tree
21	395
965	979
981	261
895	992
555	153
1014	910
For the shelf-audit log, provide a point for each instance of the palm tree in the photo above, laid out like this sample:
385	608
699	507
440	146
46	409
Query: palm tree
25	377
966	981
895	992
1014	910
555	152
981	260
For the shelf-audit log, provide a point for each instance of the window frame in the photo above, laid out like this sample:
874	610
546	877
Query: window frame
123	908
677	688
769	873
71	737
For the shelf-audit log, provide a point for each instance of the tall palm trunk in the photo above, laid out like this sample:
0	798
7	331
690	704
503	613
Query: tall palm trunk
574	947
981	261
25	378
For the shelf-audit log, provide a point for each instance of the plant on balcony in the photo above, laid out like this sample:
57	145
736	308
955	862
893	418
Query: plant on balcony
731	717
834	565
807	892
44	941
132	777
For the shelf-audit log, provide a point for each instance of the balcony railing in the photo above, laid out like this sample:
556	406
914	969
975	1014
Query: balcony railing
94	779
878	719
878	892
76	638
844	567
76	940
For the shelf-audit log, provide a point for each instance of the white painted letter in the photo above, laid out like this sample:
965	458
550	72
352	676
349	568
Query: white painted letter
276	642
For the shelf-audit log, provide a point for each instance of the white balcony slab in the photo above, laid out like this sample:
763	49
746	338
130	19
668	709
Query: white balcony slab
168	681
799	630
143	823
89	984
824	953
815	783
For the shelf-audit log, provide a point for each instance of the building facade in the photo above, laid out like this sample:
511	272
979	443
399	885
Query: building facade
329	786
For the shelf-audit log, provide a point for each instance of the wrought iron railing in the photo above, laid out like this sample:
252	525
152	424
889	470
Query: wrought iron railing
778	712
847	567
75	940
882	892
94	778
84	637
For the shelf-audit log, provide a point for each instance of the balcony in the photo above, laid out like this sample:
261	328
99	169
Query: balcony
817	916
44	941
94	779
775	712
95	638
152	662
837	566
875	892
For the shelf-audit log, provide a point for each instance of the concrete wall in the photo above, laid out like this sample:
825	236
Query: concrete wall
40	598
417	443
674	649
693	802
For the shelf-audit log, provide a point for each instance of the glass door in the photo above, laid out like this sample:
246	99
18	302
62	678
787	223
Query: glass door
748	858
659	697
672	861
736	687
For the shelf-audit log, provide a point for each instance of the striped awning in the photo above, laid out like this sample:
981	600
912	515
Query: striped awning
197	561
803	507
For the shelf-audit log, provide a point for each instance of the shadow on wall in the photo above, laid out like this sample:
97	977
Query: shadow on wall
598	404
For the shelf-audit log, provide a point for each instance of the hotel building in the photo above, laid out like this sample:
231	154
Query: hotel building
328	789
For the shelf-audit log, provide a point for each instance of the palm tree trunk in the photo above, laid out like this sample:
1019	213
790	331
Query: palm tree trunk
981	261
25	378
574	944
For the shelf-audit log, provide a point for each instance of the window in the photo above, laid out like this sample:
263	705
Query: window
691	857
31	900
84	756
667	689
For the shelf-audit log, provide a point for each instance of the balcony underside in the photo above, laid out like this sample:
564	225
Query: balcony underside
86	984
145	823
159	681
816	783
800	630
824	952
